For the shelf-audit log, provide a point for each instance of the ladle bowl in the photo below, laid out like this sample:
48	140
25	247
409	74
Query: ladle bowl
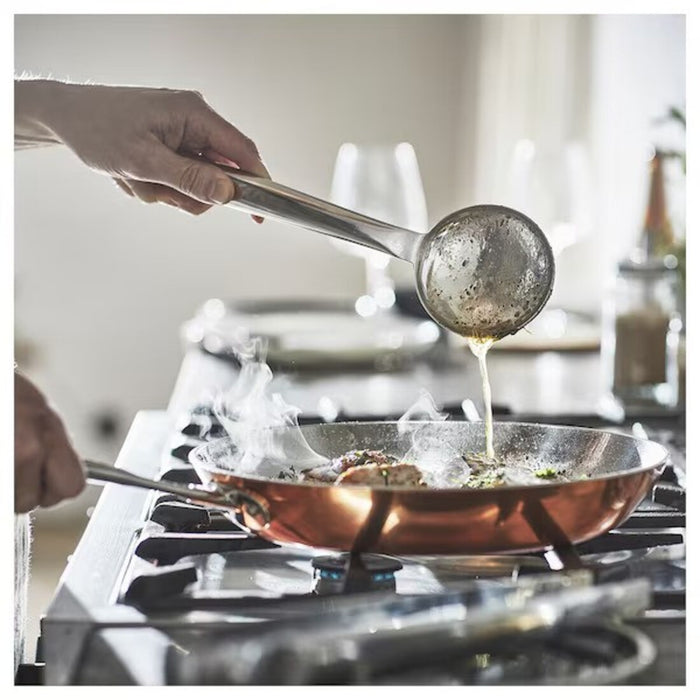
485	271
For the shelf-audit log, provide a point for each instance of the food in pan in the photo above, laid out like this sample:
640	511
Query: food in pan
367	468
547	473
376	468
486	472
330	473
382	475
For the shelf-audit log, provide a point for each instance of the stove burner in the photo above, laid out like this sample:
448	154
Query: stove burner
355	573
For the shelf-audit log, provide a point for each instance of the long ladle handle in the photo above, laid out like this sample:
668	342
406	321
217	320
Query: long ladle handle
258	195
219	496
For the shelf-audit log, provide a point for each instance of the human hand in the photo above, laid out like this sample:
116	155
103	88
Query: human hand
47	468
151	141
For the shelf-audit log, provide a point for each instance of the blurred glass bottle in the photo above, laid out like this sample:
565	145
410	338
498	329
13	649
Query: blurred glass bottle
641	342
657	238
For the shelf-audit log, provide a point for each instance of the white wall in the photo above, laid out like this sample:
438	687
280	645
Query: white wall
533	86
103	282
638	73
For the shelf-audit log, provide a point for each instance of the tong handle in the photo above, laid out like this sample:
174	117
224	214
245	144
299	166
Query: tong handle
263	197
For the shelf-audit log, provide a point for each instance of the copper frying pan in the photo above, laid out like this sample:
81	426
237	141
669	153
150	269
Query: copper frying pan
617	471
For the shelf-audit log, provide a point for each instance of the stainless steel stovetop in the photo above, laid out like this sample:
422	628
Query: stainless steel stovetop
159	591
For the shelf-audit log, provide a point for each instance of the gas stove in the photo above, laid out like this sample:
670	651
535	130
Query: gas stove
160	591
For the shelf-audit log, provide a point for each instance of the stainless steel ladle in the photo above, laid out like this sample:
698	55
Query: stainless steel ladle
484	271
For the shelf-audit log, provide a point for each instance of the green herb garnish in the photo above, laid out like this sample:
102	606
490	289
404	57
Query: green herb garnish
485	480
547	473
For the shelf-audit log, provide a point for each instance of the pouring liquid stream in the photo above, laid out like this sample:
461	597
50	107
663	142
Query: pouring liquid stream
480	347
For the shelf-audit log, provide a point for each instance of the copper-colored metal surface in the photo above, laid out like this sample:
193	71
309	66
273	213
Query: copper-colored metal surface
454	521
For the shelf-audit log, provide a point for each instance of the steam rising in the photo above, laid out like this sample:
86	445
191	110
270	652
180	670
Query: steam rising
265	433
440	461
423	408
250	415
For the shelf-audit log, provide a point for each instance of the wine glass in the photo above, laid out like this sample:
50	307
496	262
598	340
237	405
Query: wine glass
552	184
553	187
382	181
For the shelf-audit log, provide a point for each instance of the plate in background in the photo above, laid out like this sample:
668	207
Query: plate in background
552	330
311	334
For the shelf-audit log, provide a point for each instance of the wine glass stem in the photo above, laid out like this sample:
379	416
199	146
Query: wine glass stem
380	286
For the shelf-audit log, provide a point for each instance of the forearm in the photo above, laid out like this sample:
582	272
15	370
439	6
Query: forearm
35	101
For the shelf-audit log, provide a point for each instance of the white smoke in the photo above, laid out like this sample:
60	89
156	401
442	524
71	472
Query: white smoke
254	417
268	442
423	408
431	451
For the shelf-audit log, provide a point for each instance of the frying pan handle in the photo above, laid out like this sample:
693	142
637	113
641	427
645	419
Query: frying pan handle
258	195
218	495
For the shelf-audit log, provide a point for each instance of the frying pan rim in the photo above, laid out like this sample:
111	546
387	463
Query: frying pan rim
251	480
